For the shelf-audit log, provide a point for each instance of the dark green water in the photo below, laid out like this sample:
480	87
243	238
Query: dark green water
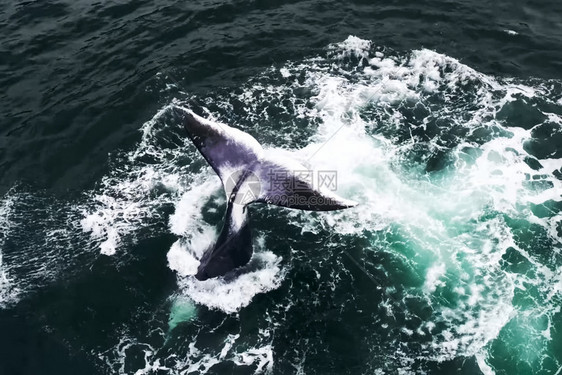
443	119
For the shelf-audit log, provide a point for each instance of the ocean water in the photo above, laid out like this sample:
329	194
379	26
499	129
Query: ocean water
442	119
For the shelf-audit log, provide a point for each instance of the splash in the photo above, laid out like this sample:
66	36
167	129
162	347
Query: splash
262	274
458	222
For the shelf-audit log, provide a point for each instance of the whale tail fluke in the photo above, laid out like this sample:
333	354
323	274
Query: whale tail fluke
249	174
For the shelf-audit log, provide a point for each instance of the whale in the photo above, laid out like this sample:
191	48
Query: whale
250	174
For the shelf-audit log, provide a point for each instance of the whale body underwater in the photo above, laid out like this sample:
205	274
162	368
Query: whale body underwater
246	170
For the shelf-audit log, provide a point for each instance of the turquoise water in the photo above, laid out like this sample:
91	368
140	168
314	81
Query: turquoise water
441	120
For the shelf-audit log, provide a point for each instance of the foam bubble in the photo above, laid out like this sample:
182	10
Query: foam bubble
185	262
433	276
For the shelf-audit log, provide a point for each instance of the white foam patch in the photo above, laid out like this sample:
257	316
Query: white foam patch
8	290
143	181
181	260
483	365
352	46
264	273
194	360
433	277
187	219
440	216
123	204
262	357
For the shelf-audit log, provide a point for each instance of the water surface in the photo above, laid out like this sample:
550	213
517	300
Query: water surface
443	119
